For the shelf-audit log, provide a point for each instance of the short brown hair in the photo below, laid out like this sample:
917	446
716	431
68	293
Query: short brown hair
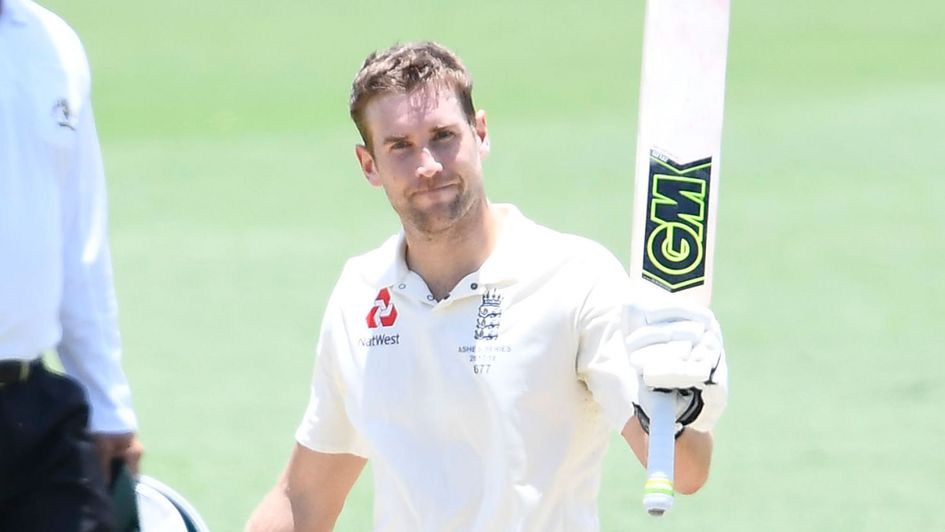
403	68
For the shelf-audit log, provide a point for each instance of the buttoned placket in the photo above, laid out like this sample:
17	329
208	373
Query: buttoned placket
413	287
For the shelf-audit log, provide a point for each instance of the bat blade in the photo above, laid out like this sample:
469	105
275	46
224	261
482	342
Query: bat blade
682	96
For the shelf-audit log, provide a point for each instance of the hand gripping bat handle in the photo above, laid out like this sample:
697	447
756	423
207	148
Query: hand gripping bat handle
658	489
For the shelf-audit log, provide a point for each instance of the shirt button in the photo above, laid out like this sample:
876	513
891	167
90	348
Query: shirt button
430	297
401	286
474	286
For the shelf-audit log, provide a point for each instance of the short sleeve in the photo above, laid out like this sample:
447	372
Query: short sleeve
326	426
602	362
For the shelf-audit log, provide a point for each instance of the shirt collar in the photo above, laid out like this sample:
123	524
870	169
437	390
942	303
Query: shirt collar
504	265
394	249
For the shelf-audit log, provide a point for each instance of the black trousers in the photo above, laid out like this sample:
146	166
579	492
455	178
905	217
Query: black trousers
51	479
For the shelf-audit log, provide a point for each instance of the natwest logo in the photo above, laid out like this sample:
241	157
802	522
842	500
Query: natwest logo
383	313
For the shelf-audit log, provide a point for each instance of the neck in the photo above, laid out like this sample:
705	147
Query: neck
443	259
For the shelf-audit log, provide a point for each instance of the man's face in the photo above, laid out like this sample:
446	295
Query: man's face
426	156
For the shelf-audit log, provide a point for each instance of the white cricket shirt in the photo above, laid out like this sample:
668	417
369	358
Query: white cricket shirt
491	409
55	271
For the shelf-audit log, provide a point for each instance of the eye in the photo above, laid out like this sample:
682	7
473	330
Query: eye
443	134
399	145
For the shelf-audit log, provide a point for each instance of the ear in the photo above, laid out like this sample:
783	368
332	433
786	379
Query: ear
482	134
368	166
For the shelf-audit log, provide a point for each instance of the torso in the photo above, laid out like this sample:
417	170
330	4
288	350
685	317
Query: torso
44	83
472	408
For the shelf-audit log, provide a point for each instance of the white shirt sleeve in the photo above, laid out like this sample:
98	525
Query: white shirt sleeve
602	360
90	348
326	426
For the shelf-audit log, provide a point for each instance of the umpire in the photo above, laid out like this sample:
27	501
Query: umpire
58	434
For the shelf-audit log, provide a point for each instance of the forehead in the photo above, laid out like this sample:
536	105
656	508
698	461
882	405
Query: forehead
423	108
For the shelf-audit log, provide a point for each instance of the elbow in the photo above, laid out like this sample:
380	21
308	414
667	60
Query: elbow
690	484
694	460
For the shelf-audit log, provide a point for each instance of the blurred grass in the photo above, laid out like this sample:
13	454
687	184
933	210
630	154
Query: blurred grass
235	200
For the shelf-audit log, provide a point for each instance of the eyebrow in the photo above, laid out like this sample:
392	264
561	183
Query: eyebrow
392	139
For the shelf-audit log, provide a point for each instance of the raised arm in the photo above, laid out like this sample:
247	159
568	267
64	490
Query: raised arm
678	346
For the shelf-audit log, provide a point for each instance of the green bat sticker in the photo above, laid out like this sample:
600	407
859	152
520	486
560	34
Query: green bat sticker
678	206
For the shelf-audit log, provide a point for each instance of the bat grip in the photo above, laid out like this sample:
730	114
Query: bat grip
658	489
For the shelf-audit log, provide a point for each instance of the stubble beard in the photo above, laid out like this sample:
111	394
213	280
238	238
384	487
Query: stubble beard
438	220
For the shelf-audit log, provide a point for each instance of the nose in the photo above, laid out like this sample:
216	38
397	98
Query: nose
428	166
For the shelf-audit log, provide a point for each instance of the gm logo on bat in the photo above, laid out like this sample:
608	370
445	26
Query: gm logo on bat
678	202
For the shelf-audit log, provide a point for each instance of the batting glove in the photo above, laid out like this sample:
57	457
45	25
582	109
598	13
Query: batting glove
676	346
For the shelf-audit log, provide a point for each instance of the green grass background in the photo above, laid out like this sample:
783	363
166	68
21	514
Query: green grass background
235	199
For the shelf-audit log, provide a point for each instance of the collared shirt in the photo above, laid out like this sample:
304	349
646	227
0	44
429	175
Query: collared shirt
487	410
56	287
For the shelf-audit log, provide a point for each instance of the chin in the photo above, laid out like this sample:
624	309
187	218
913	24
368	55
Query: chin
439	218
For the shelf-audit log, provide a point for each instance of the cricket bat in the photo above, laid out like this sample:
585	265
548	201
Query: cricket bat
682	95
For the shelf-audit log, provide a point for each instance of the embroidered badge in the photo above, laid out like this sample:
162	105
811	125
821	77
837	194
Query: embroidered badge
490	314
62	113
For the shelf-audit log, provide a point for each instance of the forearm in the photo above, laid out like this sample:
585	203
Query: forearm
310	493
316	500
274	513
307	519
693	455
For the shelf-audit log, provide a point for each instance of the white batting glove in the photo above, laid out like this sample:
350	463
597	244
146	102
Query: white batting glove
674	345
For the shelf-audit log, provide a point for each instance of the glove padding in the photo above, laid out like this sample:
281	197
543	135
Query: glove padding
674	345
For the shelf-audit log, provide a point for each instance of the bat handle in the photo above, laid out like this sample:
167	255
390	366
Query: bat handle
658	489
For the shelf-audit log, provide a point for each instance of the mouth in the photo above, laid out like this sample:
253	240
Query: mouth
439	188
